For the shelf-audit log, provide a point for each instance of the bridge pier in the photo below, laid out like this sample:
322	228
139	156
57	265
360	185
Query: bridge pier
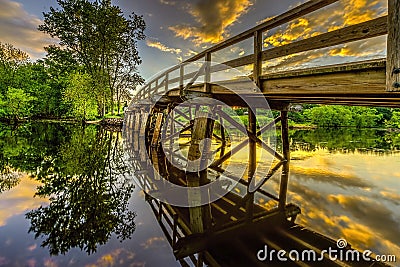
286	164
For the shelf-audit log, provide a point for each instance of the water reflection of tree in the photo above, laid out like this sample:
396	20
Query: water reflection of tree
345	140
24	147
88	192
8	178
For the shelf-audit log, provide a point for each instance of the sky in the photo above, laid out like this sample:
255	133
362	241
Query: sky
178	29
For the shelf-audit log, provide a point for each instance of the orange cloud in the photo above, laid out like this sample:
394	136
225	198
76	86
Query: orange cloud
211	26
162	47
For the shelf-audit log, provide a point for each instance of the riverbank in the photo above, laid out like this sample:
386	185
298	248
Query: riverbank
114	121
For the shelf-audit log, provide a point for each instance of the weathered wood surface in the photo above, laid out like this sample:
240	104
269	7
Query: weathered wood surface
364	30
157	129
393	46
195	176
360	83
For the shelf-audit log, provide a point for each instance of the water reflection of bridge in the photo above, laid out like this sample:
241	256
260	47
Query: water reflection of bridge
180	129
231	230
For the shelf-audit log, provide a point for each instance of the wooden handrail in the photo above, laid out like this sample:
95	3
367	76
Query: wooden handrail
297	12
364	30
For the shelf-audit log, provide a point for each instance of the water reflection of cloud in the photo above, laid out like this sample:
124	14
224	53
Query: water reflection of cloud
342	180
365	223
3	261
119	256
154	242
371	213
391	196
19	199
49	263
32	247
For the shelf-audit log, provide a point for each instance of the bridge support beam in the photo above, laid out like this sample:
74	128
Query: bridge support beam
196	172
286	163
252	128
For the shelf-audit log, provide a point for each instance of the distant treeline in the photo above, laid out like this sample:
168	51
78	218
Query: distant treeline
347	116
338	116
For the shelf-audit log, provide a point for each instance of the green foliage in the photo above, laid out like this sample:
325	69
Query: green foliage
342	116
329	116
363	117
394	121
17	103
98	36
79	94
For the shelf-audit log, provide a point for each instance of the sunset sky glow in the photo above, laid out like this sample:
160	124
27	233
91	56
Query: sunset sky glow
178	29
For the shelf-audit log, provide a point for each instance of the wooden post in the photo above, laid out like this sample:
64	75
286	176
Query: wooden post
257	68
393	47
252	120
143	120
137	121
199	215
132	120
207	73
222	130
286	155
157	129
181	74
166	82
252	162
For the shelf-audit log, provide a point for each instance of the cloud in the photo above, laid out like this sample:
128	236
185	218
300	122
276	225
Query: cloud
342	14
154	242
162	47
19	28
169	3
212	17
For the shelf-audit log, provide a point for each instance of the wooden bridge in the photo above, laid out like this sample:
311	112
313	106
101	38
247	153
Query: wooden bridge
177	131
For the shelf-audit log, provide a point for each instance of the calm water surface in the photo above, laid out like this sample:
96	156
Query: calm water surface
67	199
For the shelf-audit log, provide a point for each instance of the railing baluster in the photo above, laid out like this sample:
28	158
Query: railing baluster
393	47
166	82
181	74
207	73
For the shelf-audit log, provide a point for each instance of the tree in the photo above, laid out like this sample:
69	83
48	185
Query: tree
394	121
99	37
11	59
364	117
17	103
80	96
329	116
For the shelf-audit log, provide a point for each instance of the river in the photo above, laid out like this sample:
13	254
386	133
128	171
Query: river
67	197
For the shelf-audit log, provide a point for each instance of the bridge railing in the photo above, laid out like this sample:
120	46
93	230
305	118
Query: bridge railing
368	29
